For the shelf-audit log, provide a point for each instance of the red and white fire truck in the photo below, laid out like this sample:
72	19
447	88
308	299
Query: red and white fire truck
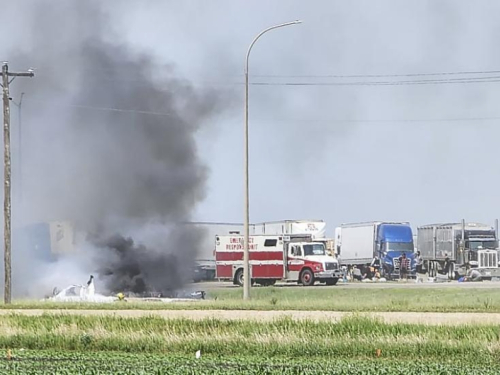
294	258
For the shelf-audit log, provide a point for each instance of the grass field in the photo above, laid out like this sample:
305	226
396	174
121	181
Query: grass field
70	344
55	362
84	344
352	298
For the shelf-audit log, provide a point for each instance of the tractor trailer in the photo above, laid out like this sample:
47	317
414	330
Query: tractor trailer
358	243
453	248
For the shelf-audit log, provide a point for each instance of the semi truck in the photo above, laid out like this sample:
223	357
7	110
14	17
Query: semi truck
290	258
454	248
357	244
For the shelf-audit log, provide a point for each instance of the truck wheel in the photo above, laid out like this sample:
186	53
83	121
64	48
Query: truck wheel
451	271
238	277
332	281
432	269
307	277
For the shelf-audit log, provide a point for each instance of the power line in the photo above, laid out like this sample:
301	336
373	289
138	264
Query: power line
385	83
111	109
395	75
377	75
134	111
456	119
470	77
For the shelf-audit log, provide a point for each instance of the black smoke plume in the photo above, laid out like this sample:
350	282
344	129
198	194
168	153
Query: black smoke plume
108	138
135	269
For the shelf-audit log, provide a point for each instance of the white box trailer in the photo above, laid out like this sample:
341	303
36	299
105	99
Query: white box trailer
315	228
356	242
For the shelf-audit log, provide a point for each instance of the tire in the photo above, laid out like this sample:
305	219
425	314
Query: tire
307	277
432	269
238	277
332	281
451	271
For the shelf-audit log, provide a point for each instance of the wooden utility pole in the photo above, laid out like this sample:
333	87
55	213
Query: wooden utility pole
7	182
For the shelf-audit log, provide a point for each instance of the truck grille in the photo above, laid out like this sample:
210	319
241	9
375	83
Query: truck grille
487	259
331	266
395	263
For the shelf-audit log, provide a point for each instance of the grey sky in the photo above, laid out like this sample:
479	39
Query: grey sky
310	155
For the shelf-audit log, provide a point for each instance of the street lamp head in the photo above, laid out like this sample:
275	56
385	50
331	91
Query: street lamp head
297	21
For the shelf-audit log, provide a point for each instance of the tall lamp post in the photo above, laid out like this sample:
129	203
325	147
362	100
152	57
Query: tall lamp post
246	255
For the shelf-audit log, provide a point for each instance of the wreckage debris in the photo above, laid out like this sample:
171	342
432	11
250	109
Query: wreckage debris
86	293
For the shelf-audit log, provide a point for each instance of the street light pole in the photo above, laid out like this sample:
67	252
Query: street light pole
246	255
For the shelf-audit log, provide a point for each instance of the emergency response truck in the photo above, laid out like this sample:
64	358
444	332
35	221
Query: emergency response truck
294	258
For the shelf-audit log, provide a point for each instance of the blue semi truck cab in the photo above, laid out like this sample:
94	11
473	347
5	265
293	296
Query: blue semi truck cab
392	240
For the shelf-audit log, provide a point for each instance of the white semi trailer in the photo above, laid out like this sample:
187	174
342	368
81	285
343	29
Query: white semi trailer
315	228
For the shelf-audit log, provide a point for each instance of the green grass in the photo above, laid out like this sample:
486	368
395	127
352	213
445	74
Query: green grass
353	337
341	298
98	344
49	362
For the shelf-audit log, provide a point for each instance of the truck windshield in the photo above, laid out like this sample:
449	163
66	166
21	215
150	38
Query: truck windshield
399	246
314	249
478	245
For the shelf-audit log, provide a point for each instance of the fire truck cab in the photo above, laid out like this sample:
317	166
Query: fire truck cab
294	258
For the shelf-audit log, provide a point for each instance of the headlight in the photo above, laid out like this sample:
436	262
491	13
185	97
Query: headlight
317	268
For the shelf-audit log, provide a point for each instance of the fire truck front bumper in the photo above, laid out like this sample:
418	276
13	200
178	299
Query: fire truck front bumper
333	274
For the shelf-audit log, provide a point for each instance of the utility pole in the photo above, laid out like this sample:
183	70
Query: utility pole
7	169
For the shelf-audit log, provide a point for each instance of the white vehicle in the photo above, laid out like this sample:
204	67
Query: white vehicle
80	293
276	257
315	228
